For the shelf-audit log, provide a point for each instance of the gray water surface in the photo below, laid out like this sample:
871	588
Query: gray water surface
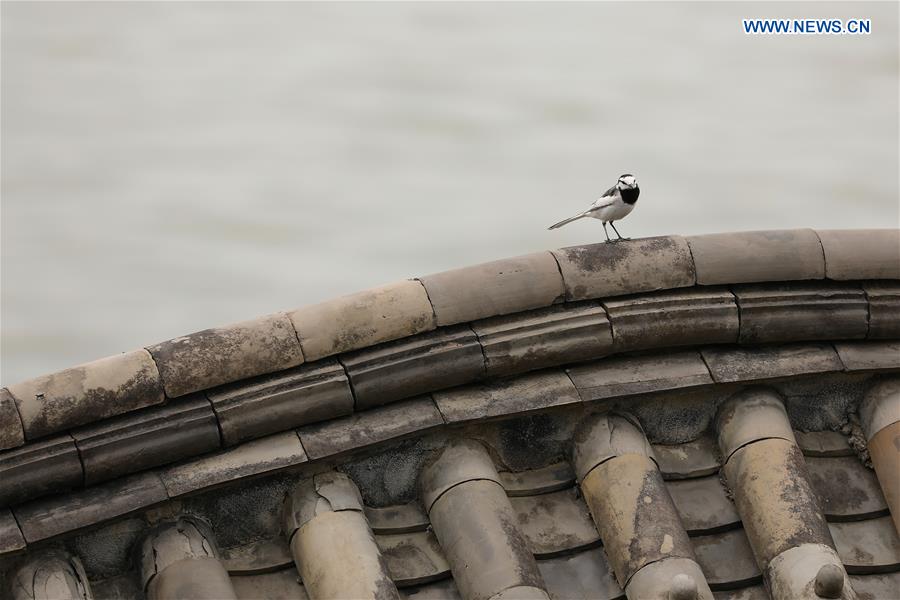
170	167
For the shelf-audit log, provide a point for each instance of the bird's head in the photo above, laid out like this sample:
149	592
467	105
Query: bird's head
627	182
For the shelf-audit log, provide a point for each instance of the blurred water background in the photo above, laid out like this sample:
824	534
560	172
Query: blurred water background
168	167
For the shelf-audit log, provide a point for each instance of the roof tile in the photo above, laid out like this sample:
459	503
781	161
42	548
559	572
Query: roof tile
555	523
545	337
415	365
846	489
413	558
757	363
87	393
796	312
369	427
547	479
265	455
221	355
494	288
869	546
727	559
703	504
751	256
861	253
147	438
696	458
645	265
363	319
866	356
11	432
50	517
583	575
11	539
626	376
270	403
884	309
533	391
45	467
682	317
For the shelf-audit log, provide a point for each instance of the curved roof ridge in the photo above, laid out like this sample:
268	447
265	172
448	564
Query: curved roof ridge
408	309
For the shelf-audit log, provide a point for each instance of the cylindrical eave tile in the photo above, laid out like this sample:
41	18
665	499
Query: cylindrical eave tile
50	574
332	543
880	416
751	256
12	434
643	536
220	355
87	393
476	526
179	561
363	319
767	474
861	253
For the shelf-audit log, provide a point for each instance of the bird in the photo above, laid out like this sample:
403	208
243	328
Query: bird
616	203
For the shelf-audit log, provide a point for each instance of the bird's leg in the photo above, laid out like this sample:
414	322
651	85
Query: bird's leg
617	231
606	232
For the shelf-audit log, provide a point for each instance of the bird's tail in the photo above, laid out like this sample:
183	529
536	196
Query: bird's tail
566	221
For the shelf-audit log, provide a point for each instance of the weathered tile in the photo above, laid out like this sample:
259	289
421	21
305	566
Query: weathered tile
794	312
754	363
846	489
682	317
534	391
123	587
11	432
861	253
415	365
876	587
400	518
222	355
697	458
250	459
625	376
45	467
11	539
751	256
363	319
727	559
583	575
260	556
369	427
752	592
551	478
546	337
444	589
50	517
87	393
280	585
823	443
703	504
869	356
884	309
147	438
870	546
495	288
644	265
413	558
555	523
267	404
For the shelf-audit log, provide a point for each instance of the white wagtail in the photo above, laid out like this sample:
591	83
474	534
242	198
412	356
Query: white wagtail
614	204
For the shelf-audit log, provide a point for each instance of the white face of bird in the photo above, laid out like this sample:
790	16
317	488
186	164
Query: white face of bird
627	181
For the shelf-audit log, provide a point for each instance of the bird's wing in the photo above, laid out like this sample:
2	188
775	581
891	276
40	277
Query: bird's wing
609	193
602	202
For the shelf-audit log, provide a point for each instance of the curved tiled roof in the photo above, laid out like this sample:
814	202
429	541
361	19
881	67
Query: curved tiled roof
608	325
